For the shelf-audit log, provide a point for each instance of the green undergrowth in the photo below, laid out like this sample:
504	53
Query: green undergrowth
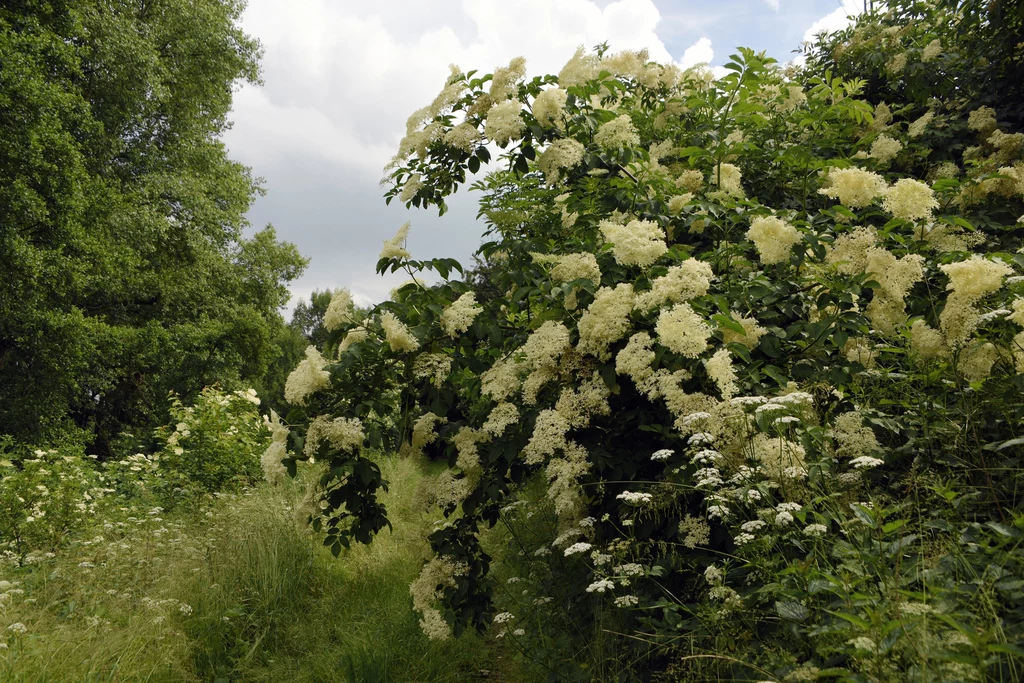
238	592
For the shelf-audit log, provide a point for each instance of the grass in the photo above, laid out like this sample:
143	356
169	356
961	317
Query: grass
238	593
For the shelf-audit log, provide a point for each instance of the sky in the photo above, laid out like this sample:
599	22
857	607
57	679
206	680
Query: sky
340	78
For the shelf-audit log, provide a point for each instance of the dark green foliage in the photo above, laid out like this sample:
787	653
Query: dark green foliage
126	269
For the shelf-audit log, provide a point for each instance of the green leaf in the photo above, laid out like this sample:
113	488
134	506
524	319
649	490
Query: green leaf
794	611
608	375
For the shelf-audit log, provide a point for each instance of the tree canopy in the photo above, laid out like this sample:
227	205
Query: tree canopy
127	268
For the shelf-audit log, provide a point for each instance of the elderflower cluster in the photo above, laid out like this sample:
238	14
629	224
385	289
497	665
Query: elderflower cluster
884	149
341	433
931	50
569	267
773	237
638	243
634	360
457	317
398	336
688	280
560	154
853	439
683	330
464	136
273	469
848	254
896	277
339	311
729	179
690	180
853	187
395	247
919	126
307	378
910	200
617	133
548	106
504	122
752	332
720	370
433	366
606	320
428	588
423	432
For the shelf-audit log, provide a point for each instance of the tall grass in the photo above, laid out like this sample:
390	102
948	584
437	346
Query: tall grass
240	593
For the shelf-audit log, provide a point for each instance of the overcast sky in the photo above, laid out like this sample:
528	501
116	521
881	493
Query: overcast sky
341	77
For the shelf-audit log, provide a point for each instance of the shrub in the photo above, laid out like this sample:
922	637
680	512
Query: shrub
213	445
44	496
761	336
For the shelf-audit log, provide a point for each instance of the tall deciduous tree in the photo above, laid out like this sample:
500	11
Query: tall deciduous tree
126	268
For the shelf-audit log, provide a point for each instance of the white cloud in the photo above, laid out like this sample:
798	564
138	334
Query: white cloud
698	53
340	80
836	20
774	4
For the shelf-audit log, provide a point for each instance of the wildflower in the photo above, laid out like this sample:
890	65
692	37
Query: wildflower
627	601
701	438
773	237
460	315
394	248
713	575
707	456
783	518
814	530
634	498
744	538
663	454
600	586
753	525
17	628
503	617
577	548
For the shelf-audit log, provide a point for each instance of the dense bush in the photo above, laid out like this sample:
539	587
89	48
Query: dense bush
760	337
212	445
